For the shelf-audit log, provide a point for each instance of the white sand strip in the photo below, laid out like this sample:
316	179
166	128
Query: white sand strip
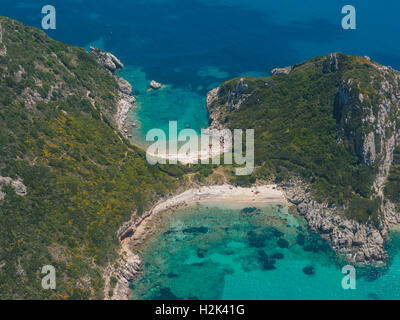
224	193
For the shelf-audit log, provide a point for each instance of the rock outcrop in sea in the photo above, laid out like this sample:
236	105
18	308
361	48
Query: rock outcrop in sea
154	85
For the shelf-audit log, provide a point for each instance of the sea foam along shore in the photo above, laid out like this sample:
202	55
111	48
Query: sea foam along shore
134	232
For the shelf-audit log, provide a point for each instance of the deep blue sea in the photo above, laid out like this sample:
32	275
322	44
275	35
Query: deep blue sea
192	47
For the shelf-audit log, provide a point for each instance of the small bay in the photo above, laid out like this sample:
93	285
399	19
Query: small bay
216	251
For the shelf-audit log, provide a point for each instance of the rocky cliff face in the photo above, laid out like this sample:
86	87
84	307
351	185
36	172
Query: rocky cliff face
126	99
3	48
356	242
125	104
124	270
368	116
233	99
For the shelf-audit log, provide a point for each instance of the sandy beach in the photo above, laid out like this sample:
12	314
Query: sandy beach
192	157
212	149
143	229
223	193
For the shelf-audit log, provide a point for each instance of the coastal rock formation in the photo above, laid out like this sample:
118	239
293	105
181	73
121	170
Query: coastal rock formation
235	98
3	48
124	105
213	117
118	276
17	185
128	264
375	136
154	85
126	99
357	243
281	71
106	59
238	96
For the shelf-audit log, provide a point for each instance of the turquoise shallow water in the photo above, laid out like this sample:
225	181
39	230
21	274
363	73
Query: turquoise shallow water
155	109
214	252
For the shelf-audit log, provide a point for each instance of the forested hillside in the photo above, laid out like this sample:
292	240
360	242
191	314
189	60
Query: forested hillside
83	180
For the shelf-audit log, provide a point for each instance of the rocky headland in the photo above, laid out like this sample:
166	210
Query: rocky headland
374	135
358	243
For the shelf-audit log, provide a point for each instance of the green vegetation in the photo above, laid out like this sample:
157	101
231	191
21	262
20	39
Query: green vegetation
299	130
83	179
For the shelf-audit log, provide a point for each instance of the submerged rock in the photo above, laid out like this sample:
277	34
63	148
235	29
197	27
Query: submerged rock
172	275
283	243
309	270
265	262
164	294
201	253
315	244
278	256
256	240
373	296
300	239
196	230
251	210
